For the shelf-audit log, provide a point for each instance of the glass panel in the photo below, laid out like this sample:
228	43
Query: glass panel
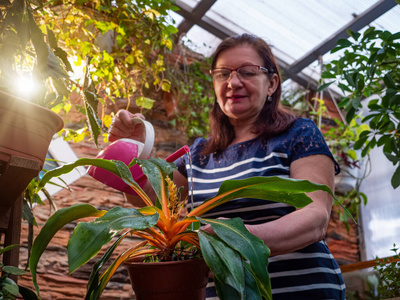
295	29
201	41
381	216
174	19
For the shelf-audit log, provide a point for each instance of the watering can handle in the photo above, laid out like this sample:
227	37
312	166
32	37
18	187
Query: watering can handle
149	141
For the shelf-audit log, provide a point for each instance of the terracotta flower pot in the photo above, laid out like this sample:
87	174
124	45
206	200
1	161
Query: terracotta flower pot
26	129
183	280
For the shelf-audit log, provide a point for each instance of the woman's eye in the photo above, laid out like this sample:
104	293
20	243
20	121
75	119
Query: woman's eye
223	74
247	73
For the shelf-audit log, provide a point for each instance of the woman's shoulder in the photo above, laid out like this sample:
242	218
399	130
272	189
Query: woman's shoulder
301	128
303	124
198	145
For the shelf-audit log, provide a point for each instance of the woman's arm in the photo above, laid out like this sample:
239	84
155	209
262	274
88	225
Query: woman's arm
307	225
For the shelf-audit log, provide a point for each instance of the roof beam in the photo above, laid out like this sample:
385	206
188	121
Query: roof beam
358	23
193	17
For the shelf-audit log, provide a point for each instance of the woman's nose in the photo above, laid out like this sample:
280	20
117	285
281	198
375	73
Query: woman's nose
234	80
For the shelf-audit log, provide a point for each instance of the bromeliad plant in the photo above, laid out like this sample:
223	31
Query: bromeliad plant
237	258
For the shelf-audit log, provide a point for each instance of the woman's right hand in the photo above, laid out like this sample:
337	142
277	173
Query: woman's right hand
122	126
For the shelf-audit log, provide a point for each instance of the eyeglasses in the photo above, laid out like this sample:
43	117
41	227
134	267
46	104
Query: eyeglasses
248	72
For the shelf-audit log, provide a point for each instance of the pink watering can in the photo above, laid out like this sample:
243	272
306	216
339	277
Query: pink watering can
125	150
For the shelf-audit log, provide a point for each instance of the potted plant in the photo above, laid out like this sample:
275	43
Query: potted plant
237	259
9	289
387	271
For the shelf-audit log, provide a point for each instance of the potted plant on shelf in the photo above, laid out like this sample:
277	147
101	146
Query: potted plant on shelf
237	259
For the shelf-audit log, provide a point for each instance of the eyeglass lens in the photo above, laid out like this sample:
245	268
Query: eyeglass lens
244	73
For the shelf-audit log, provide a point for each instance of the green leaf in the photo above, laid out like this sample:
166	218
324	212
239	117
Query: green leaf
252	292
395	100
325	85
91	103
234	233
396	178
344	43
277	189
389	81
89	237
8	248
13	270
145	102
59	219
10	286
41	48
394	36
93	282
351	111
156	170
224	262
27	294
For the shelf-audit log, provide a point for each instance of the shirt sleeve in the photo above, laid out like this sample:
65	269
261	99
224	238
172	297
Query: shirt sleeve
194	152
305	139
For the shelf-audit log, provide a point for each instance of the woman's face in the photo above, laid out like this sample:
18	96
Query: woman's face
242	99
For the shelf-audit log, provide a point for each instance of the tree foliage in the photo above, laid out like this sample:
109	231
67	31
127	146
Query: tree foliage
119	45
369	68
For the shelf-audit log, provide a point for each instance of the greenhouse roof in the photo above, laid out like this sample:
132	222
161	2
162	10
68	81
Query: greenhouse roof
301	32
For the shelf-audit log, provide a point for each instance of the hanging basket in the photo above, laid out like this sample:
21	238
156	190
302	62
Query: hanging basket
346	180
183	280
26	129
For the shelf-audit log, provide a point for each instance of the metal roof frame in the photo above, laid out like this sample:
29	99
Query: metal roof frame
196	16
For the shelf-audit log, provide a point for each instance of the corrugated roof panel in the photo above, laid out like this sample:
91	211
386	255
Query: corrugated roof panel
294	28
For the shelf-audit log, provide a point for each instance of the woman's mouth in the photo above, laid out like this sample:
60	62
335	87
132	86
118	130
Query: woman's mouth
236	97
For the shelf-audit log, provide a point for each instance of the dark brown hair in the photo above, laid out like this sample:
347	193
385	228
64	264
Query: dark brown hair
272	120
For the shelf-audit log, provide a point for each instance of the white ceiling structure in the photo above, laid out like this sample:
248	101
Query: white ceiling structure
302	33
299	31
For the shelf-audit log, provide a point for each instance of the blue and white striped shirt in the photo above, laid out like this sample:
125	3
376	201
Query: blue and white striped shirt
309	273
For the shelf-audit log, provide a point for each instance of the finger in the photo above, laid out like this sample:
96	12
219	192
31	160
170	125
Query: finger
125	118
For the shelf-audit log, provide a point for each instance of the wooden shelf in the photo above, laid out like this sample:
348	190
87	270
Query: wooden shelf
15	175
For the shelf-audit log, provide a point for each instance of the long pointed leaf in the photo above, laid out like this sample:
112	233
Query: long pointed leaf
111	270
59	219
277	189
234	233
118	168
224	262
252	291
89	237
93	281
156	170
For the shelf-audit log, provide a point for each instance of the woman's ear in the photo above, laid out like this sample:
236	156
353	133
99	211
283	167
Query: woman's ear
273	83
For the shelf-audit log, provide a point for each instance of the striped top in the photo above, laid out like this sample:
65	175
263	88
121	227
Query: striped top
309	273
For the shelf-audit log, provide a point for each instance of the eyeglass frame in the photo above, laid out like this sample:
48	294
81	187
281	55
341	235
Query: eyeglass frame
265	70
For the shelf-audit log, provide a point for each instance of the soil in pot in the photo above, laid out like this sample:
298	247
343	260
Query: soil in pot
172	280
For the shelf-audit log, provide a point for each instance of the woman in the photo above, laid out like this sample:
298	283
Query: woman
251	135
